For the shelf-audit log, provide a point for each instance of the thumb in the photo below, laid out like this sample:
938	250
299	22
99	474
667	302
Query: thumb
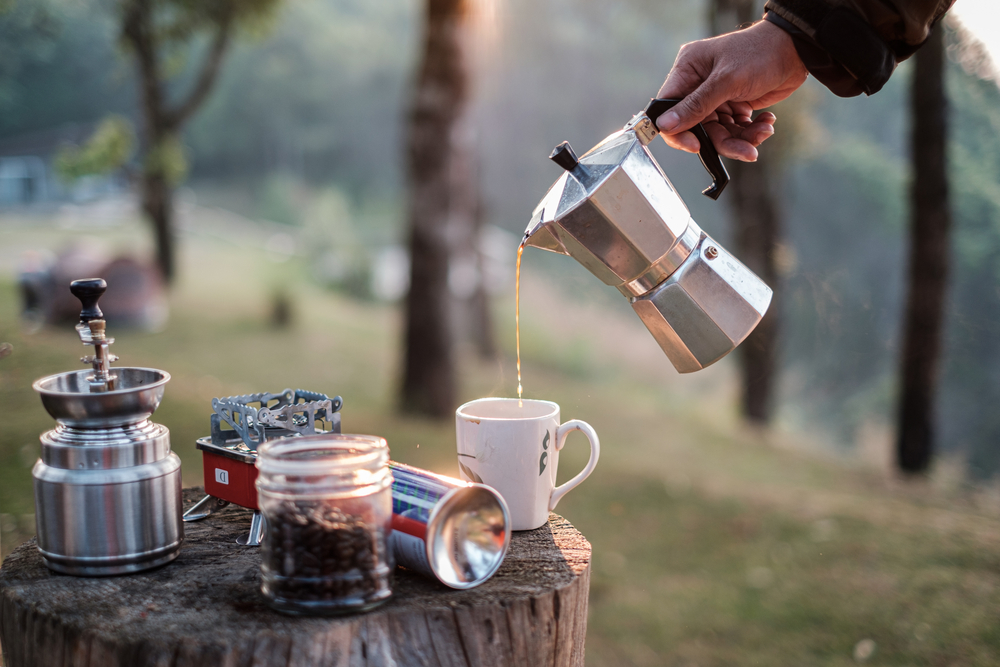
693	108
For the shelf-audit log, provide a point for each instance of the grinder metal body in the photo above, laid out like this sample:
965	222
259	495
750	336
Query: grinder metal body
107	486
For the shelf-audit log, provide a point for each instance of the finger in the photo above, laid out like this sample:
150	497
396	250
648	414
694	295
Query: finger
755	133
737	149
693	109
726	120
742	113
685	141
740	108
692	81
686	74
729	146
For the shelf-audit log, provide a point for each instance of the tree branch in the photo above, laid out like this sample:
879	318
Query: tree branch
138	34
206	79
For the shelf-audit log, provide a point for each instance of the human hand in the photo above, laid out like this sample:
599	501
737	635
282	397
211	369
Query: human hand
722	80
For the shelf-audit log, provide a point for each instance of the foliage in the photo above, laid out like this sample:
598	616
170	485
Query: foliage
845	208
971	377
160	36
320	101
27	33
109	148
278	200
47	49
177	23
179	20
846	222
167	158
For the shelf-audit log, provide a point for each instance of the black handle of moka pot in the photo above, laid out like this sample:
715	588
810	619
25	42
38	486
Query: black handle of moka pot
89	291
709	156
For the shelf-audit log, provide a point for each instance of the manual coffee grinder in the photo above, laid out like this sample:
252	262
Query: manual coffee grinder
107	486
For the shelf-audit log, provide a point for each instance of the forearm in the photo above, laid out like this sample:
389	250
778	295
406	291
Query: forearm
853	46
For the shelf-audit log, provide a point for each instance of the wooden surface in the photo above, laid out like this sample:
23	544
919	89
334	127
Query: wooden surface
205	608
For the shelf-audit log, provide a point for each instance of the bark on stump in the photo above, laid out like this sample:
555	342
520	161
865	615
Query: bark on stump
205	608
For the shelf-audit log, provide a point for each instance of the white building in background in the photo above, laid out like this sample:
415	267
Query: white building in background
27	173
24	179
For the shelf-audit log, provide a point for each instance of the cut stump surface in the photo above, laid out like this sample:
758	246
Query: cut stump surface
205	608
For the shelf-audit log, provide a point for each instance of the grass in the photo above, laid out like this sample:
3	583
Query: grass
714	544
727	582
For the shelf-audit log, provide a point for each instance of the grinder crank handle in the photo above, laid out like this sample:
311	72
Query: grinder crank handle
89	291
709	156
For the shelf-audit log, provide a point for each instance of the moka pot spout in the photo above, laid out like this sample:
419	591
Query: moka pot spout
541	231
542	237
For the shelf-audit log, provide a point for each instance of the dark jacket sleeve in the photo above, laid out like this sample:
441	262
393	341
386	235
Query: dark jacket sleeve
853	46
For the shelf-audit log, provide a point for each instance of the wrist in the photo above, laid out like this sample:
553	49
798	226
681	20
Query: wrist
780	44
836	46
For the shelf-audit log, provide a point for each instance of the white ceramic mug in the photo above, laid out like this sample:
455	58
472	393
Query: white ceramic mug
515	450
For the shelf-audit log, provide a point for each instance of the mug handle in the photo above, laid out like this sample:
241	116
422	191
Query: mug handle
595	453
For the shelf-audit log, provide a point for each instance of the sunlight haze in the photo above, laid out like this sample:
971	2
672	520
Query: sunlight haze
982	19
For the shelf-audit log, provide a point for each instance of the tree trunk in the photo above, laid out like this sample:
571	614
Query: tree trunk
930	221
756	238
205	609
440	97
481	315
157	203
162	123
466	218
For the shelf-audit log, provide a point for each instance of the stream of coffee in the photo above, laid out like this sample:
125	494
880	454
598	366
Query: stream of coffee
517	318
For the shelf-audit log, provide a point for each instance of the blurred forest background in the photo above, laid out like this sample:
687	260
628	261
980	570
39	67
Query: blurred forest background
306	127
296	161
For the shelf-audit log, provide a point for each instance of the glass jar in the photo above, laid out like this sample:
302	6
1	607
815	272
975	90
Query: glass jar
327	506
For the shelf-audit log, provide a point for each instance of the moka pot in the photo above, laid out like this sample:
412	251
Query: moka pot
617	213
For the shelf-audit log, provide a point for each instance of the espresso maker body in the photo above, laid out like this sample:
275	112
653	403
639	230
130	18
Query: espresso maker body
617	213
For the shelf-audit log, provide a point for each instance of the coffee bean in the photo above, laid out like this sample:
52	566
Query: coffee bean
321	554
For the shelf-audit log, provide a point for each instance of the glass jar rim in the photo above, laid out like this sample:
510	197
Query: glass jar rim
306	454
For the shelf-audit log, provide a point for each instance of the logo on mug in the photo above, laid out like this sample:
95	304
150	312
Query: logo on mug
545	454
469	472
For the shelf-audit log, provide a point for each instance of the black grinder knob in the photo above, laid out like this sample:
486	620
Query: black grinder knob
89	291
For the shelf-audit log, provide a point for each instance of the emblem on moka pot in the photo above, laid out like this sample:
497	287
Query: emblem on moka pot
616	212
107	486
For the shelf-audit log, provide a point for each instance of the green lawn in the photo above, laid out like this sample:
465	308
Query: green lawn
713	544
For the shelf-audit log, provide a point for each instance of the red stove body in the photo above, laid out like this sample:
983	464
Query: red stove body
229	474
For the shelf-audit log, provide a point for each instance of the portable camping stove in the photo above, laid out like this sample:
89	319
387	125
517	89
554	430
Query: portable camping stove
229	454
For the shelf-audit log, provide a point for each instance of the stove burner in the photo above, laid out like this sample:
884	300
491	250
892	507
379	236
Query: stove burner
239	424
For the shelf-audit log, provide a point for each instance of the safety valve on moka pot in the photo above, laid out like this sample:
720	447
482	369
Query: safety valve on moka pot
107	486
616	212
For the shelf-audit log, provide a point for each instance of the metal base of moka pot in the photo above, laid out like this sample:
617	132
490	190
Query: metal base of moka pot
707	307
107	487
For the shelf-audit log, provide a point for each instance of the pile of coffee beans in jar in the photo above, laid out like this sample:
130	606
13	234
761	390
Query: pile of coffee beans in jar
314	552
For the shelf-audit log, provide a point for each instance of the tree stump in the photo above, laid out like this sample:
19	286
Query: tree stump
205	608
